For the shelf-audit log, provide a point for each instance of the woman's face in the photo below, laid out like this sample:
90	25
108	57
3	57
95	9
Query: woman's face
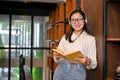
77	22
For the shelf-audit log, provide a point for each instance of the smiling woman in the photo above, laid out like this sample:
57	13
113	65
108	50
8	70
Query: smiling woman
76	38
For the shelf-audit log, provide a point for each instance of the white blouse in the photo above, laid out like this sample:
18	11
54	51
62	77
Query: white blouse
85	43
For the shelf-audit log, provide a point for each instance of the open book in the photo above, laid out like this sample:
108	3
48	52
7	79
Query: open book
69	56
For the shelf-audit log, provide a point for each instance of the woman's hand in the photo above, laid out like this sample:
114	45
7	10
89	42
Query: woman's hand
83	60
57	56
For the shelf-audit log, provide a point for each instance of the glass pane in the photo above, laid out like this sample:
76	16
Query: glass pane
3	64
38	68
15	61
38	53
39	30
21	31
14	65
37	73
38	41
4	30
20	38
14	73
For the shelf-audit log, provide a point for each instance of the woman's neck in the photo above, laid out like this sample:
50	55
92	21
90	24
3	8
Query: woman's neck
78	32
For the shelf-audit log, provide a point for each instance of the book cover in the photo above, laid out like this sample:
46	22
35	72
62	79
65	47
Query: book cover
69	56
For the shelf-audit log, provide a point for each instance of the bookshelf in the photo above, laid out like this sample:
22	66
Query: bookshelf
55	31
104	22
70	5
112	39
58	26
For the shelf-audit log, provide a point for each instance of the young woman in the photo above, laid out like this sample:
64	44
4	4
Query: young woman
77	38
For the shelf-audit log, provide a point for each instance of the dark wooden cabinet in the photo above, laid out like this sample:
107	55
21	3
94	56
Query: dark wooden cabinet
104	23
112	40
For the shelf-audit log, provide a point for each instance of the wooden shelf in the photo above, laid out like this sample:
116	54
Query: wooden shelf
116	78
109	79
113	39
113	0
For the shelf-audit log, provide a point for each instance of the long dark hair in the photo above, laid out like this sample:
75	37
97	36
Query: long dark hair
69	33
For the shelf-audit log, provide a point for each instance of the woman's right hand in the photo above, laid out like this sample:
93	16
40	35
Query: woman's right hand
57	56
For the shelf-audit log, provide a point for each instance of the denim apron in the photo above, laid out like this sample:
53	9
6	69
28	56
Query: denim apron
69	71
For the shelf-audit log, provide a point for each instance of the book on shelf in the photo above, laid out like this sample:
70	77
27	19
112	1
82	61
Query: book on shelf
69	56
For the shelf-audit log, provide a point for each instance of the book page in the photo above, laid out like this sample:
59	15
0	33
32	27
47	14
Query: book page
58	51
76	51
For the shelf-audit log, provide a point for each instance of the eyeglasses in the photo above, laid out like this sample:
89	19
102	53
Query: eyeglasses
79	20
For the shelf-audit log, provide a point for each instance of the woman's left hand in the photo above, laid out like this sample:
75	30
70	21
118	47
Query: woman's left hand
83	60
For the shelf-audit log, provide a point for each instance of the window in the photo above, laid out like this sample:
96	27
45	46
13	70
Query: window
20	38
